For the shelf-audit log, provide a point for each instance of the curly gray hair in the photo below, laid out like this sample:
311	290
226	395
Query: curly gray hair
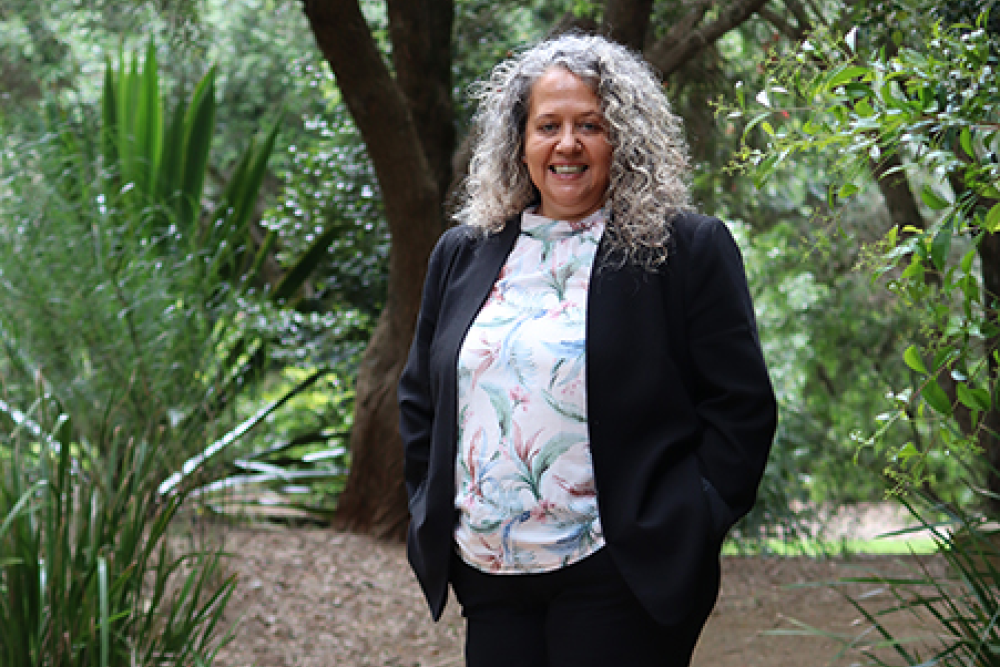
649	163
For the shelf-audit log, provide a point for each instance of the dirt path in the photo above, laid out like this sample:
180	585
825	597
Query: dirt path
318	598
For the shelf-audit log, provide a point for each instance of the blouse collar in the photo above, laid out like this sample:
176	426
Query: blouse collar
539	226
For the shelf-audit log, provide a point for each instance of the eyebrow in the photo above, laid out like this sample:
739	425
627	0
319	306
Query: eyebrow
595	114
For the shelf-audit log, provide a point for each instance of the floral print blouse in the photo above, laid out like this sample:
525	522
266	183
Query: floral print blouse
525	490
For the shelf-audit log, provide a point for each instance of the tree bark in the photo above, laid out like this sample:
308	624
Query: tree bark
896	192
421	54
374	499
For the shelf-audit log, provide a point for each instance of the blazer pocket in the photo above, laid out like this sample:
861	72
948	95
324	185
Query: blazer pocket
721	515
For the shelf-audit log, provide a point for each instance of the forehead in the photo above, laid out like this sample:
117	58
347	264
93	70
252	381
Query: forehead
559	89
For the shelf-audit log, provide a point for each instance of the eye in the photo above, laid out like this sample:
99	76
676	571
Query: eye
548	127
591	127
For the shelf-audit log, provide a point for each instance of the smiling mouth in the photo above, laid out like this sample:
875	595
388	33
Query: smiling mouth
568	168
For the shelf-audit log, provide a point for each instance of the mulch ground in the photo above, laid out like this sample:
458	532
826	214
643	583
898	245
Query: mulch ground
311	597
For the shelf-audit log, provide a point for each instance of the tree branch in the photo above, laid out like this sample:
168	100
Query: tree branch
678	47
627	21
792	32
896	192
800	14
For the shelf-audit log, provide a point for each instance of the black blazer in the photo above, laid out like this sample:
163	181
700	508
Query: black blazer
680	408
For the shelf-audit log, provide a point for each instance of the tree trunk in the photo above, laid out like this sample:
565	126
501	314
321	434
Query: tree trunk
989	433
374	500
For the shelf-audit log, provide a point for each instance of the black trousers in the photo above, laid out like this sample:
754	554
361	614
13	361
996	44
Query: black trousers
583	615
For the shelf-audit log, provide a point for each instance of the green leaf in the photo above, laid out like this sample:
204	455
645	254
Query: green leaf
754	122
148	123
912	359
303	268
932	199
935	397
199	126
968	259
941	245
907	451
109	120
845	74
992	222
965	139
765	169
243	203
169	173
976	399
846	190
947	354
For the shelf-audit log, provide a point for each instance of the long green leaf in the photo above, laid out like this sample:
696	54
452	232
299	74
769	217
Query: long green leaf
19	508
149	125
109	119
299	272
168	174
248	188
196	462
199	127
231	218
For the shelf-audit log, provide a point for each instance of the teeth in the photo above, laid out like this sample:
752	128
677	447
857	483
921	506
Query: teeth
568	168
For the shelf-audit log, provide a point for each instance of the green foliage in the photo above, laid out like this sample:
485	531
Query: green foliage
960	601
826	337
117	288
921	115
128	282
88	575
930	111
330	223
158	166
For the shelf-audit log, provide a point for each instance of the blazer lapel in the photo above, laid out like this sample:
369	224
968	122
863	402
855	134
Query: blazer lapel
469	287
472	285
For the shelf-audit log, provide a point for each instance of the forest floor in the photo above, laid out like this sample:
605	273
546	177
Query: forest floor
311	597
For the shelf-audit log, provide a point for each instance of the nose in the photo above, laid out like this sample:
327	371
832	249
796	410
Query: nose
567	139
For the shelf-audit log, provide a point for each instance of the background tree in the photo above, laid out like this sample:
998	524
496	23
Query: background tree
915	116
406	114
911	117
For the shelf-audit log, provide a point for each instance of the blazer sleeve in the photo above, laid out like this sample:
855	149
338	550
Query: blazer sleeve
731	390
415	392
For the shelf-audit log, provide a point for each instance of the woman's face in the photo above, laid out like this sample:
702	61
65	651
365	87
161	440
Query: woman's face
566	146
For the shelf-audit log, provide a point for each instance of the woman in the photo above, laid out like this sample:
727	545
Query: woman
585	409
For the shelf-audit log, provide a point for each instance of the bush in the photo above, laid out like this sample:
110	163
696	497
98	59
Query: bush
87	576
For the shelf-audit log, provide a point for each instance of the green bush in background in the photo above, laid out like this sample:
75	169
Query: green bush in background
918	110
132	300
